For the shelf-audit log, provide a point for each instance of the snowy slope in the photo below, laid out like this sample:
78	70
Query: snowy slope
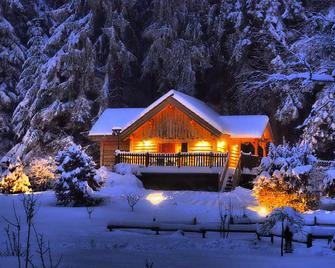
85	242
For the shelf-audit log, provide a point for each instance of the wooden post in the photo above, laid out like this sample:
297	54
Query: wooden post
117	158
101	153
211	159
178	157
147	159
264	149
203	232
309	240
256	148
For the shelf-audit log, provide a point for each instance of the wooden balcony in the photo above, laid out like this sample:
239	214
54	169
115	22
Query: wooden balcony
211	159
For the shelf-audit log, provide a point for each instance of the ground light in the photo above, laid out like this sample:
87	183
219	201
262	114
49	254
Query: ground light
156	198
261	211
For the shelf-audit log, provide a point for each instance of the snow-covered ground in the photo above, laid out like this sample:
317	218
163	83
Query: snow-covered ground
85	242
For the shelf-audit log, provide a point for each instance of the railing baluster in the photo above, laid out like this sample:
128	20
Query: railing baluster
210	159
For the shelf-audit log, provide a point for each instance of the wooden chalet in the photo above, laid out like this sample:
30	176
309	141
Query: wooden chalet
178	130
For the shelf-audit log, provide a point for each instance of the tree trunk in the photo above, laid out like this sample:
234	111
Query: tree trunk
282	239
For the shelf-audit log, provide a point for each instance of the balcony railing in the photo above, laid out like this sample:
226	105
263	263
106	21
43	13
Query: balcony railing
210	159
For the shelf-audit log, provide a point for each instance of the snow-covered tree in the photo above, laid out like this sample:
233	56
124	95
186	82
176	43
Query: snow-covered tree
283	179
77	178
63	62
319	127
35	57
285	217
42	173
328	186
14	180
12	55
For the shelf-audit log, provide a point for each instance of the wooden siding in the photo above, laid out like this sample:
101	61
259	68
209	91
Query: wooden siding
168	103
173	125
107	150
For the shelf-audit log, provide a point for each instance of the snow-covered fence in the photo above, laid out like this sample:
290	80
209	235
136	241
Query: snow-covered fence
210	159
158	227
312	230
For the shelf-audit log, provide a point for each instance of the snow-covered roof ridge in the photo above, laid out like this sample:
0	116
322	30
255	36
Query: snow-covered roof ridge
238	126
195	105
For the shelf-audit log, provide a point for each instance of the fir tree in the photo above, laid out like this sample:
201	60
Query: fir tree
77	177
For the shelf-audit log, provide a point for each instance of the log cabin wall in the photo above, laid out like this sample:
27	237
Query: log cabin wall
171	125
107	150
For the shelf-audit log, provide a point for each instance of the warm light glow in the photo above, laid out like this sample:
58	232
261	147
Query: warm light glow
147	143
202	146
222	146
145	146
262	211
156	198
234	148
234	156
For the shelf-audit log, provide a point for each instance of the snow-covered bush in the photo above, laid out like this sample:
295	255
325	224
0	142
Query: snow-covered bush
14	180
329	183
286	215
77	177
283	178
284	218
42	173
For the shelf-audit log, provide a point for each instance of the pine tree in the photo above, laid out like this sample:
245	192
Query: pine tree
328	186
77	177
319	127
12	56
31	68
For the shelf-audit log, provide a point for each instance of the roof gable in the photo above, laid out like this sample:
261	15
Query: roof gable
196	109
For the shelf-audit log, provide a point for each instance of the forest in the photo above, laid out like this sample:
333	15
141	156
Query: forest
62	63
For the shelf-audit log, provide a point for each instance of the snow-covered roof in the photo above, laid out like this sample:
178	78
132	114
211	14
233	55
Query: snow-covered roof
114	118
238	126
244	126
193	104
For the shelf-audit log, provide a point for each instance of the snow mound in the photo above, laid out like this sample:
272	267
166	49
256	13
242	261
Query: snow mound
119	185
128	180
124	168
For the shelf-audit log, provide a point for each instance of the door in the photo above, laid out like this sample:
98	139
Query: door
168	147
184	147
